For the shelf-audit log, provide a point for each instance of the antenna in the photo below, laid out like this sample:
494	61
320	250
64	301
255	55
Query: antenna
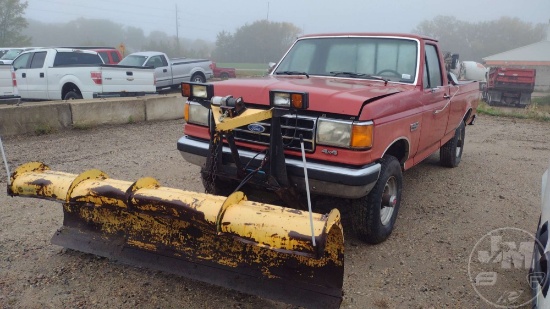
267	11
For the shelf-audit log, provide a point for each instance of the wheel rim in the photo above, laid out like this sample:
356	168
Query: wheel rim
389	201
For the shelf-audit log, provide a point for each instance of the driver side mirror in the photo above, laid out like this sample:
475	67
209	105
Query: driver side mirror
452	78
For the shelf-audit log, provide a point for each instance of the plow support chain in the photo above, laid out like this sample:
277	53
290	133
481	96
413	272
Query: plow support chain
251	247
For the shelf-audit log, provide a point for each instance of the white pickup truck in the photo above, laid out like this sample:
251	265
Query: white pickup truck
8	92
171	72
64	73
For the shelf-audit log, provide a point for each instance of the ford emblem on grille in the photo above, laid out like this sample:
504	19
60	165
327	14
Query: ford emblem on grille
256	128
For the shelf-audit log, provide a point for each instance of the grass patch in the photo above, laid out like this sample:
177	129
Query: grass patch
43	129
246	69
244	66
541	100
533	111
82	126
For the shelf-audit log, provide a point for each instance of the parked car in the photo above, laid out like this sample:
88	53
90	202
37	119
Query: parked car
11	54
171	72
539	275
64	73
110	55
223	73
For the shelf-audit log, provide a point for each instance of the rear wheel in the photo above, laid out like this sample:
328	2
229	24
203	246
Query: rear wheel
451	153
72	95
374	215
198	78
224	75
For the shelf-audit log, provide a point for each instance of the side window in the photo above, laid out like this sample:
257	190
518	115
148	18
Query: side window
21	61
154	61
115	56
104	57
164	61
37	61
433	68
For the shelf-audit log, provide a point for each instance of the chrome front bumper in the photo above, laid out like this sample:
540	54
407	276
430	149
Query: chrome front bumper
330	180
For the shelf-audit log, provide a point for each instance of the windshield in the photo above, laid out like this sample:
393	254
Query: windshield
133	60
391	59
11	54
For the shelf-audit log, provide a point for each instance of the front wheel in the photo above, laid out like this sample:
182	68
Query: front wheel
451	153
374	215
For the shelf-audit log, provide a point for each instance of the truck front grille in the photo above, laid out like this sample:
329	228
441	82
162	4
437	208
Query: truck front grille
291	128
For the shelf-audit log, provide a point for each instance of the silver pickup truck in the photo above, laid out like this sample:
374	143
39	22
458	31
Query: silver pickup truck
171	72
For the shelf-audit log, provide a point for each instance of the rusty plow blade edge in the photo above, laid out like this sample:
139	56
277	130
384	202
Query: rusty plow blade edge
250	247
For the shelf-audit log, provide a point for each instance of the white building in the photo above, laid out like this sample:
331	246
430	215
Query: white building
533	56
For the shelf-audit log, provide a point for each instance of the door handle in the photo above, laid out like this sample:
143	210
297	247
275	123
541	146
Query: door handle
41	75
446	96
165	70
24	75
129	73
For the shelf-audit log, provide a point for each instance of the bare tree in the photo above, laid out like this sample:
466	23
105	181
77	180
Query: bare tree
12	23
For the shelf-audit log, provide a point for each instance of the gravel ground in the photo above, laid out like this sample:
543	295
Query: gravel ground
423	264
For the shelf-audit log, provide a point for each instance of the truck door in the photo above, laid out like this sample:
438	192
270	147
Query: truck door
37	83
435	99
20	65
163	72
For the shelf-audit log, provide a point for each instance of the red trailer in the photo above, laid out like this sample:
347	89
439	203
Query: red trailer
510	86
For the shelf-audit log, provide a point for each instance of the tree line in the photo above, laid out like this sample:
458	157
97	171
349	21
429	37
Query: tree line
476	40
259	42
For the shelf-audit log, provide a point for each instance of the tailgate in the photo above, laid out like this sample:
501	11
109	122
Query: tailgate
6	82
128	79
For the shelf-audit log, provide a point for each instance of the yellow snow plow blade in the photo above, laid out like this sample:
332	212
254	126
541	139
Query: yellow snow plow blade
252	247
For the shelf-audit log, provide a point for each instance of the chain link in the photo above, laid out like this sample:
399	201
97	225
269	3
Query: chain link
212	164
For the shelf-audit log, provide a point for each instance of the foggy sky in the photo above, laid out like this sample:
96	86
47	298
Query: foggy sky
205	19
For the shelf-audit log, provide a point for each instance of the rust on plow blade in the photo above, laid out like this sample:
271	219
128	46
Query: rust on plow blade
251	247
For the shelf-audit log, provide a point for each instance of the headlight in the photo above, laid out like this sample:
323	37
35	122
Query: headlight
347	134
196	114
195	91
297	100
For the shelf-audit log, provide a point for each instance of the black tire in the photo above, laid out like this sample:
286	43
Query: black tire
224	75
72	95
451	153
374	215
198	78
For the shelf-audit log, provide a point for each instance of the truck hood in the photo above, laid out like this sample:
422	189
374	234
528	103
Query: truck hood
327	95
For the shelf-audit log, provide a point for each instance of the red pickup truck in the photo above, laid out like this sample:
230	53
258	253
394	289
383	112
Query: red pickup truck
377	105
223	73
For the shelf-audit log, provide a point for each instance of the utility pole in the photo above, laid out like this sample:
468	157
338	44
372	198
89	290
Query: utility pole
177	31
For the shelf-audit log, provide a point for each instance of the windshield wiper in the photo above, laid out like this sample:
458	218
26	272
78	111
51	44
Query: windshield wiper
361	75
292	73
